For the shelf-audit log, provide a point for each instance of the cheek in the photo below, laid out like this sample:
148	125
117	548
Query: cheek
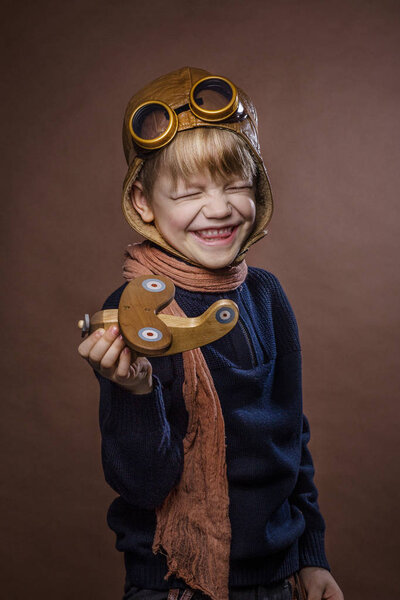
172	221
180	219
247	208
252	210
176	222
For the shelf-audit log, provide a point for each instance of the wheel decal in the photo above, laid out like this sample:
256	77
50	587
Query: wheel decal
153	285
225	314
150	334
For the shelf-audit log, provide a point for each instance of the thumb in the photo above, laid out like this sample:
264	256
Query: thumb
315	591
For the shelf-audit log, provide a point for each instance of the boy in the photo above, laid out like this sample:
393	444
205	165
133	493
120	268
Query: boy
207	449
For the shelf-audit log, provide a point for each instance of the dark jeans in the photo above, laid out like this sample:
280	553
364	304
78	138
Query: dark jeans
288	589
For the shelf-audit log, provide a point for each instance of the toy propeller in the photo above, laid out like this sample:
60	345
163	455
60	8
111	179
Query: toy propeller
150	333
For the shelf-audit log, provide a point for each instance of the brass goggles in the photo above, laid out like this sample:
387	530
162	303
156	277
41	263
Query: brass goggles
153	124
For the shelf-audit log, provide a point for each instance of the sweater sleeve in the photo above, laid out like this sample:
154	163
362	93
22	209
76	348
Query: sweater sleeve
304	495
142	454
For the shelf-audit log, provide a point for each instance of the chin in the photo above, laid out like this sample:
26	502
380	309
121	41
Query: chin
220	264
212	260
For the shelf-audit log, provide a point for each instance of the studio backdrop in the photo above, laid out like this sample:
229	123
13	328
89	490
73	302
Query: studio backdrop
324	78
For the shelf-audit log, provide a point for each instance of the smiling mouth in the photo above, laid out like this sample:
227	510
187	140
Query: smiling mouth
215	234
216	237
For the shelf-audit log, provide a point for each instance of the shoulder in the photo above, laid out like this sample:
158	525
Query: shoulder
265	283
112	301
261	279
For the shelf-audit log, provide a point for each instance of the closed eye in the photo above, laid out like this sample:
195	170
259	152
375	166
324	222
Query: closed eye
240	187
192	195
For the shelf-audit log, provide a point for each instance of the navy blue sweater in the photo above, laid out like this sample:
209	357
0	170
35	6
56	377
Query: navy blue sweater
276	524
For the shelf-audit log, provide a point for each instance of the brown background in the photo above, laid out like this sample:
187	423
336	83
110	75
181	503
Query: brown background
324	76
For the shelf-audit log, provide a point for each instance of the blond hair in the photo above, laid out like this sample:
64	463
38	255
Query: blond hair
220	151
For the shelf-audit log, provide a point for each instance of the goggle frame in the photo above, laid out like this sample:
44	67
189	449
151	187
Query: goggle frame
207	115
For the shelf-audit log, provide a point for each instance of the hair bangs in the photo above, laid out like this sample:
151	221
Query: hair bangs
220	152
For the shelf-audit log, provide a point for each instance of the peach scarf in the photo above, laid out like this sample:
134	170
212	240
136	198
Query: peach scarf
193	528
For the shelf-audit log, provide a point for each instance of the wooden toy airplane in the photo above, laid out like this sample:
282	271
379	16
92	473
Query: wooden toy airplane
150	333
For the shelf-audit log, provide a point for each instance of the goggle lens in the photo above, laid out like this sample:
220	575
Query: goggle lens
150	121
214	99
153	125
212	94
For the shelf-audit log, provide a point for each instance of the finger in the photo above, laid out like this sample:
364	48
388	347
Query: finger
110	358
141	363
315	592
99	349
333	592
143	369
85	347
149	374
137	365
124	370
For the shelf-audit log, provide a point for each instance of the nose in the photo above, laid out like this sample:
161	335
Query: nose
217	206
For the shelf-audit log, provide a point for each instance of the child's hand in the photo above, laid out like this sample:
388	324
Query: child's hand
106	352
319	584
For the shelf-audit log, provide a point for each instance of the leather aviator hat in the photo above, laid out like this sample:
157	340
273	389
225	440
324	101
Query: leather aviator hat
185	99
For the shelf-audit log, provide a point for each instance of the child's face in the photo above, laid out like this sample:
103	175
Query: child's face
200	203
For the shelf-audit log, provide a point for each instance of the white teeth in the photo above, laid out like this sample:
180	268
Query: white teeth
214	232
